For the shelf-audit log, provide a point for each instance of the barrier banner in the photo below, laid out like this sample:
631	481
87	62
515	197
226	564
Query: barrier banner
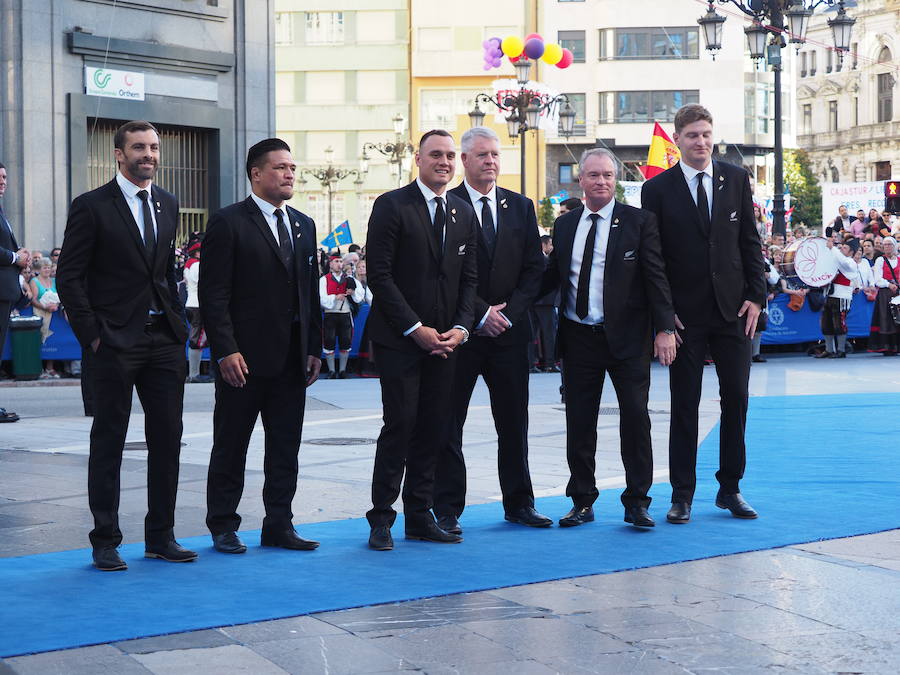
787	327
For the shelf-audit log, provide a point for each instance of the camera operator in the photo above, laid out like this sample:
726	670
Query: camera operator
338	290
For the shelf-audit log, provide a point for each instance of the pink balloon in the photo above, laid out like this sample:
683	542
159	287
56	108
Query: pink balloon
566	59
534	48
531	36
513	60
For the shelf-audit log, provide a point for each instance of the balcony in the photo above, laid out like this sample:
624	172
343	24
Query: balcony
881	131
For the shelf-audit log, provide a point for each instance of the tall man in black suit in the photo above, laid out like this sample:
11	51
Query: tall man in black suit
421	313
266	334
129	315
12	259
711	247
510	265
608	266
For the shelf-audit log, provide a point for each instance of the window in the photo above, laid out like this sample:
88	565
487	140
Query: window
829	60
806	122
885	89
832	115
856	111
284	28
603	52
882	170
440	108
812	63
324	28
657	43
803	59
853	50
643	106
573	40
566	173
577	102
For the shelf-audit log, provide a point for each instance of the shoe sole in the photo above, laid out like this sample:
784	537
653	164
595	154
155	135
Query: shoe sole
381	548
120	568
159	556
678	521
234	551
291	548
522	522
568	523
433	541
631	522
725	508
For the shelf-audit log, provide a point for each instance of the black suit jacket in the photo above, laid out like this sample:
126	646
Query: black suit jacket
10	291
722	267
411	278
636	296
513	275
104	278
244	290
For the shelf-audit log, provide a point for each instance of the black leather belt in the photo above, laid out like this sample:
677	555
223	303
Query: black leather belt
593	327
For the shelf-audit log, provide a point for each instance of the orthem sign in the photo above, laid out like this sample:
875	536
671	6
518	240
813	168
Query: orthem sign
113	83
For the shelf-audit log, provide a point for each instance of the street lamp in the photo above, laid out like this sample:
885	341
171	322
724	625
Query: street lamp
768	26
399	151
524	108
329	176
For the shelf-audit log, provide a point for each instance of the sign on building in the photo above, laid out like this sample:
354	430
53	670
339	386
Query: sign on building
855	196
113	83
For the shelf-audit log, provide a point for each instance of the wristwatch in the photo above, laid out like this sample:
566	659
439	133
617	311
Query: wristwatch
669	331
465	335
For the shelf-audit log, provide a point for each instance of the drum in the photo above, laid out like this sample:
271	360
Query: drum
808	262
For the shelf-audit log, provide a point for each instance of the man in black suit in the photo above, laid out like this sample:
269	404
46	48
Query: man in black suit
129	315
510	265
12	260
608	266
711	247
265	332
420	315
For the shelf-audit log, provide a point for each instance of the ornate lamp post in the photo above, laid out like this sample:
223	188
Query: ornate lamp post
524	108
768	26
399	151
329	176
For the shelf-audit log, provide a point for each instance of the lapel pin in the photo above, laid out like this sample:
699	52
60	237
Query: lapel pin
721	179
503	203
298	235
453	218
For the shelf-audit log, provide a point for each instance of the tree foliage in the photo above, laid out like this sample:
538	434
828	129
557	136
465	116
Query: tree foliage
806	193
545	214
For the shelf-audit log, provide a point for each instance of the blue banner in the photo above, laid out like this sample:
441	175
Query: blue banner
787	327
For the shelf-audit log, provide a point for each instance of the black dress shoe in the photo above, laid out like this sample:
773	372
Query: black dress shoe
579	515
428	530
638	516
680	513
528	516
449	524
380	538
736	504
107	559
759	358
288	539
170	551
228	542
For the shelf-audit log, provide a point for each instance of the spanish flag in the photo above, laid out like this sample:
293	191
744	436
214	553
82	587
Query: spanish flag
663	153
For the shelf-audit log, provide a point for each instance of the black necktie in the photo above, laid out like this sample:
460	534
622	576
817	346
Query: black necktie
440	219
149	235
587	262
702	203
487	225
284	242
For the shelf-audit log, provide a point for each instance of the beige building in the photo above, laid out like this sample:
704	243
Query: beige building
342	78
848	112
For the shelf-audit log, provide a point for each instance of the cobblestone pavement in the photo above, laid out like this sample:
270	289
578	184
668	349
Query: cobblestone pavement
827	607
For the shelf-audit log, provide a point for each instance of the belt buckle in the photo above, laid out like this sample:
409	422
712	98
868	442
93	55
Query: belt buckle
597	327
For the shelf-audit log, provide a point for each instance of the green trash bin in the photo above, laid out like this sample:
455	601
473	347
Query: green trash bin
25	336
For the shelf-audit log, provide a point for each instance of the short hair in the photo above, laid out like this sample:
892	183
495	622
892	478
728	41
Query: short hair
597	152
433	132
571	203
256	155
546	238
690	113
468	138
354	248
130	127
2	165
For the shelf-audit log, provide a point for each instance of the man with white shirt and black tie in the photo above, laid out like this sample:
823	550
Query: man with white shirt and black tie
615	309
129	315
711	247
510	265
420	315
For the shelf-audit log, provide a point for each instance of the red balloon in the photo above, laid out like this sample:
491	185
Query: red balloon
513	60
533	35
566	59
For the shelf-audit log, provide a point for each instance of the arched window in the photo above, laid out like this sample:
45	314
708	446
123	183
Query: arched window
885	89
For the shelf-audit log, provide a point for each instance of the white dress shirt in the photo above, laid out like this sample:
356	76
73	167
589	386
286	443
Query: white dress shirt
135	205
268	211
595	287
690	175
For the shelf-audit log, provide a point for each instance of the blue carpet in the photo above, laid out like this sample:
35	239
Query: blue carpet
817	465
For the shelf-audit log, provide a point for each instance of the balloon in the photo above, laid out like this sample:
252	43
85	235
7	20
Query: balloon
486	44
497	41
534	48
514	59
566	60
552	53
531	36
496	63
487	66
512	46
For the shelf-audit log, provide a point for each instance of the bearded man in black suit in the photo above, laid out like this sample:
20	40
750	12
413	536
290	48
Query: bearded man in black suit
711	247
129	315
510	266
266	336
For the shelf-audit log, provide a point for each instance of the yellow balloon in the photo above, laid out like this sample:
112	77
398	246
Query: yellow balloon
552	53
512	46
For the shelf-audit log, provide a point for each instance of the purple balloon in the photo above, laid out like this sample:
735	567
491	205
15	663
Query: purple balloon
497	63
534	48
497	41
486	44
487	66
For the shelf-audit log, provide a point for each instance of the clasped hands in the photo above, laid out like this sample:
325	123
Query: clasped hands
437	344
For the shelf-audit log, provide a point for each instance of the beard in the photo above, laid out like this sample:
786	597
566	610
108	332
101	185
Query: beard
141	172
